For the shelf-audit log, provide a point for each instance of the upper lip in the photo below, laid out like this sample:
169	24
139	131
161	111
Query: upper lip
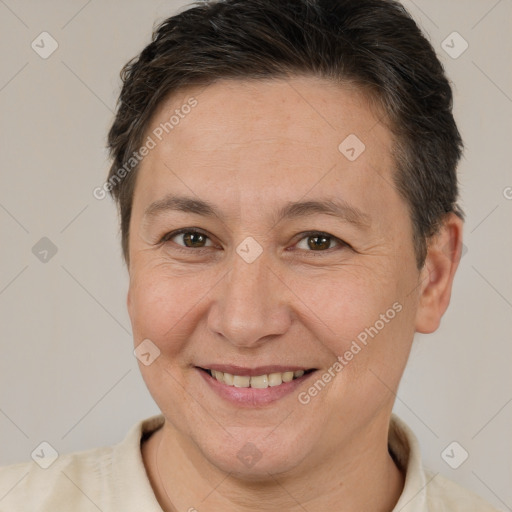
255	371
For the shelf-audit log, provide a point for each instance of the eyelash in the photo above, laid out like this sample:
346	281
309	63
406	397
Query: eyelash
167	237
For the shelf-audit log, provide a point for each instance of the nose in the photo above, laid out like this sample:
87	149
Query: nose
250	305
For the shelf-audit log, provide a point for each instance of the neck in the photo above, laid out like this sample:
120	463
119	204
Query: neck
362	477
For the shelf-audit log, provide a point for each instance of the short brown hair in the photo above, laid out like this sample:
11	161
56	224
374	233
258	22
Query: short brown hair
373	43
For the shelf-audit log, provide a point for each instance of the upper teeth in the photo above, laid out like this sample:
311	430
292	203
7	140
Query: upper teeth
260	381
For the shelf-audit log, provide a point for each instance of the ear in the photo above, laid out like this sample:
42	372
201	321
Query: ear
436	277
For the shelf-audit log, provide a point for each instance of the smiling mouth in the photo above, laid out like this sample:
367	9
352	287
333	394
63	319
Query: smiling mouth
258	381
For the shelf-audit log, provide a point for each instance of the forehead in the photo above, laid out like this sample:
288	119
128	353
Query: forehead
246	110
280	137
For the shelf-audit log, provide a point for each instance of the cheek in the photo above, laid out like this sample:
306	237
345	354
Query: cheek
363	320
345	302
163	307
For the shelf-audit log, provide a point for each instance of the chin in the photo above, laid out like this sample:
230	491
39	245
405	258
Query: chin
256	458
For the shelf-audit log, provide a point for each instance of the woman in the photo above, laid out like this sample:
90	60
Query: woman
286	180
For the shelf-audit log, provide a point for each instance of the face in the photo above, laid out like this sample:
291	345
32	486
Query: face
263	241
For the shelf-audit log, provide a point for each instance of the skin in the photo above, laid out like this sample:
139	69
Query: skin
249	148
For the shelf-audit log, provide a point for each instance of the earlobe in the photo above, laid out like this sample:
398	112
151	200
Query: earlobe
436	277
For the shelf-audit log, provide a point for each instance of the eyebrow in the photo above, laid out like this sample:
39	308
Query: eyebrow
292	210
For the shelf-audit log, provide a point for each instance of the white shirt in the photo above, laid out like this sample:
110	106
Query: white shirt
114	479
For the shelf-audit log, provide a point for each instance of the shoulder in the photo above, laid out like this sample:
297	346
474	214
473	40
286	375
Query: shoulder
423	489
64	485
444	494
106	478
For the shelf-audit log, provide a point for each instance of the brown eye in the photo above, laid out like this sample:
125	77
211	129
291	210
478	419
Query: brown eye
318	242
192	239
188	238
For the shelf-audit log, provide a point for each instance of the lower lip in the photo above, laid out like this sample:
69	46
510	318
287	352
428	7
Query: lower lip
251	397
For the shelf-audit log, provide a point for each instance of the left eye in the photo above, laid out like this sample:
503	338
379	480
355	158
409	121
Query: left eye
318	242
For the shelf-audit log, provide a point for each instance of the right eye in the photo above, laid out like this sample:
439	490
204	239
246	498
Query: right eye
190	238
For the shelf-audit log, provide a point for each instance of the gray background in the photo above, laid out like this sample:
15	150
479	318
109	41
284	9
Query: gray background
67	372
